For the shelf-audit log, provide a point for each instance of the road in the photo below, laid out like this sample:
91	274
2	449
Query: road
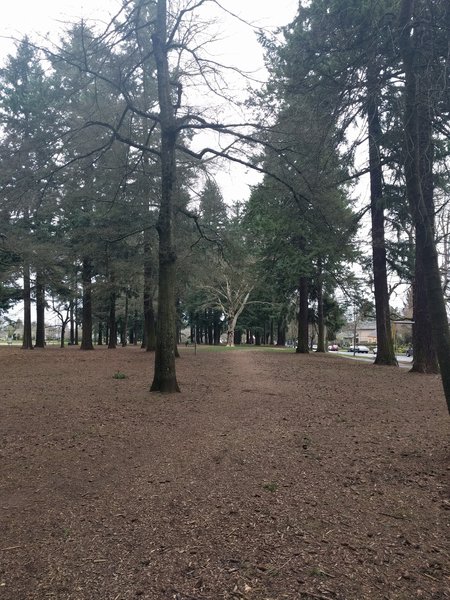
403	361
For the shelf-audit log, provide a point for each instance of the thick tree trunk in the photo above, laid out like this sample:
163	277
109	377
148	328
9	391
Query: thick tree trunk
302	343
86	275
165	379
232	320
63	333
385	353
27	342
418	127
40	312
177	352
424	357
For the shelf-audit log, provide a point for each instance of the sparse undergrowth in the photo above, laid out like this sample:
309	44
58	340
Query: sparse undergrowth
271	476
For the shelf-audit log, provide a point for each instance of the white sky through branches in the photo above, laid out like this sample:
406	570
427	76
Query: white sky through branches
42	19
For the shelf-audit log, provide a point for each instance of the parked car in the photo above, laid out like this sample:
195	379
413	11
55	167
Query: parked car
359	349
333	348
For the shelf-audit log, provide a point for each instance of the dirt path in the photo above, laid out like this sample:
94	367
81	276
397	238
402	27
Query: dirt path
270	476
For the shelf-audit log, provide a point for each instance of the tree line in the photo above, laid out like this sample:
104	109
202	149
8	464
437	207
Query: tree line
107	195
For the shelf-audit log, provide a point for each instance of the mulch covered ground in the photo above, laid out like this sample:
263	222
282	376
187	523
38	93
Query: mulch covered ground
271	476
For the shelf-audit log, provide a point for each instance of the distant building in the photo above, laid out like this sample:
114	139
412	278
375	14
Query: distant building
366	333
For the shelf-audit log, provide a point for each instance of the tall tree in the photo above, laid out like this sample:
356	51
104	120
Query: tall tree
27	129
416	20
339	49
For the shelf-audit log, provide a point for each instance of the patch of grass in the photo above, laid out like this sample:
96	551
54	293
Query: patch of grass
119	375
272	486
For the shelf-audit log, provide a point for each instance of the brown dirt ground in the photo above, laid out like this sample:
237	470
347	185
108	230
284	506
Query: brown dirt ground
271	476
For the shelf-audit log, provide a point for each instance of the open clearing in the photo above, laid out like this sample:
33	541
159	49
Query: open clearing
271	476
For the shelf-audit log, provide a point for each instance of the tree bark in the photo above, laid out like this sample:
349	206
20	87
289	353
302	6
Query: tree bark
112	322
385	352
40	312
165	379
302	343
27	342
418	128
86	275
149	337
124	332
320	315
281	331
100	334
217	328
63	333
72	323
424	356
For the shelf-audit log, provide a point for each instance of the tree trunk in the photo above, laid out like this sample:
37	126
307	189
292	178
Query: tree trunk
100	334
302	343
281	331
86	276
320	315
40	312
72	323
177	353
125	322
424	356
271	336
112	322
385	352
63	333
149	337
230	330
210	327
418	127
232	319
27	342
217	328
165	379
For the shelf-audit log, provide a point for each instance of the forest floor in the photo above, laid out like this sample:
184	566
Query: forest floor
270	476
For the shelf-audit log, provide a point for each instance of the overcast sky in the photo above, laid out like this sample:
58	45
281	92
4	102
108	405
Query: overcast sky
239	45
48	16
